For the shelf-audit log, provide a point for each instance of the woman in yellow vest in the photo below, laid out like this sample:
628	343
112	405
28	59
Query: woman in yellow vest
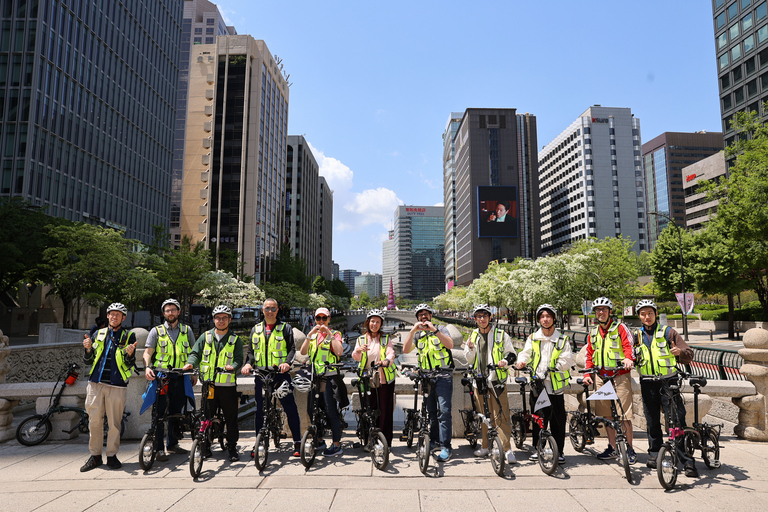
324	344
550	349
373	347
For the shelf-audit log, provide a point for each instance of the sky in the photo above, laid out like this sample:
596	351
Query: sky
374	83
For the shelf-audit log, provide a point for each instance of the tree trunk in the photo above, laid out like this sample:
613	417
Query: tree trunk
730	317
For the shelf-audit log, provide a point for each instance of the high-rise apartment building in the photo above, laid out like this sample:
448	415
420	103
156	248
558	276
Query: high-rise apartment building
388	259
741	34
368	283
699	208
235	152
348	276
664	158
419	252
202	23
592	182
87	96
494	196
449	195
325	236
302	204
335	270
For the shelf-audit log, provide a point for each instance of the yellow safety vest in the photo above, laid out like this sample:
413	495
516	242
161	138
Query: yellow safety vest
559	379
98	348
497	353
389	371
432	353
271	353
608	352
169	354
211	359
322	352
658	360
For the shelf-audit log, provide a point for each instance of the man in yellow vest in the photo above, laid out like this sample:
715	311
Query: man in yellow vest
660	349
434	346
492	346
111	356
549	349
222	348
272	344
168	346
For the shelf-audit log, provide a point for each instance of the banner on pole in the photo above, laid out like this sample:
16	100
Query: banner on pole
606	392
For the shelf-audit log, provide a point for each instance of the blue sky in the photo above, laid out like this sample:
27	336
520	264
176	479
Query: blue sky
375	82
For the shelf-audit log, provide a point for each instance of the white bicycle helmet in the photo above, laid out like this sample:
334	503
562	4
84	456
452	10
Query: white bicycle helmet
375	312
482	307
283	390
221	308
424	307
646	303
172	302
118	306
602	301
302	383
546	307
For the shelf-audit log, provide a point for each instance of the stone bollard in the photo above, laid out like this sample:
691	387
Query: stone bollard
753	414
6	406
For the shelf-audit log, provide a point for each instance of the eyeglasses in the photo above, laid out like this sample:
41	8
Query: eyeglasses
322	318
220	318
270	309
482	315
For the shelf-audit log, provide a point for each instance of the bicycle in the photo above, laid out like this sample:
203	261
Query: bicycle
495	447
319	422
184	420
702	436
419	420
582	427
522	422
371	437
472	422
273	417
36	429
212	426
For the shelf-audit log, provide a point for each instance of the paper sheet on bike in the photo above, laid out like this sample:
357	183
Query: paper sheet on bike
606	392
542	401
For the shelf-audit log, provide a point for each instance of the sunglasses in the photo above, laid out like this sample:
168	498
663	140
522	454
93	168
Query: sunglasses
270	309
321	318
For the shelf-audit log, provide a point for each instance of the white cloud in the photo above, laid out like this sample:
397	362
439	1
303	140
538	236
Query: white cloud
372	206
440	204
338	175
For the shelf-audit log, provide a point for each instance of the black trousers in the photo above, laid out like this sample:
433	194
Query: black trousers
654	399
556	421
225	397
175	394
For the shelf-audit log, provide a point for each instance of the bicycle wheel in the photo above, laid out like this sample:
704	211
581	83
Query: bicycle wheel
548	453
308	448
689	441
624	459
222	436
710	450
408	432
666	466
475	431
261	451
147	451
497	456
380	451
32	431
196	456
423	452
518	431
577	434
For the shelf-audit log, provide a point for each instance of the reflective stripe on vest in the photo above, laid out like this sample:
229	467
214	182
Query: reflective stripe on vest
98	348
497	353
559	379
321	353
211	360
658	360
272	353
608	352
389	371
169	354
432	353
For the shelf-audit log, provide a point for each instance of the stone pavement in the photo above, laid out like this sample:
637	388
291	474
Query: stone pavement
47	477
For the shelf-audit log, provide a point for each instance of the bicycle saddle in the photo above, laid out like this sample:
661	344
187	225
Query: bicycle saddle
698	381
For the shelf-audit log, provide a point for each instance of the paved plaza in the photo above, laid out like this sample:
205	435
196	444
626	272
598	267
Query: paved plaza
47	478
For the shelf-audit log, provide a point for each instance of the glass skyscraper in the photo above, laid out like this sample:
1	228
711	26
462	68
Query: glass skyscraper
419	252
87	95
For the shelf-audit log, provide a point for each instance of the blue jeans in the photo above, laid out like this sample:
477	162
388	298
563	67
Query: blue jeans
440	396
288	402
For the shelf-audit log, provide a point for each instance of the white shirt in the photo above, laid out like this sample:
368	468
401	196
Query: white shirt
546	345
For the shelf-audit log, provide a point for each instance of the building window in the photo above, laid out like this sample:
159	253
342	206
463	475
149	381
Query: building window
764	81
725	82
736	75
199	30
752	88
198	40
209	40
734	31
746	22
761	11
722	40
749	44
720	20
762	34
726	102
738	96
723	59
749	65
745	3
209	31
209	21
733	11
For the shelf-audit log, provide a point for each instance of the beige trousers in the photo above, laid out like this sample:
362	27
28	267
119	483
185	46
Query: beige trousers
104	399
501	419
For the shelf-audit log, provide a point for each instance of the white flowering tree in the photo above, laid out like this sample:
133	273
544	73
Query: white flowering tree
224	288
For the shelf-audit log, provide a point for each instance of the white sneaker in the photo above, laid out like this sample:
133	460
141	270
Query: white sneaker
481	452
511	457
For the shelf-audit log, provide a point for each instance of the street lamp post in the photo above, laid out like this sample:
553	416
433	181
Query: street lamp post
682	270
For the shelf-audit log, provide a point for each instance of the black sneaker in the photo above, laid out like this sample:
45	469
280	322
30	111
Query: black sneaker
177	449
93	462
161	457
651	463
608	454
691	472
113	463
631	455
233	455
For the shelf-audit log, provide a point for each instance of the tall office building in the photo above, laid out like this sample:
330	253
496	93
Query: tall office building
664	158
234	158
202	23
741	33
419	252
368	283
334	270
388	259
449	195
699	208
495	195
325	244
348	276
592	181
87	96
302	204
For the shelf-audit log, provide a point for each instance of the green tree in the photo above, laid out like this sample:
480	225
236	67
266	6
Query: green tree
287	294
643	262
287	268
611	271
184	270
337	287
319	285
665	262
138	284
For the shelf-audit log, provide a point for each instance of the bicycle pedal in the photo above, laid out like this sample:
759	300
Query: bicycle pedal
283	435
404	438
